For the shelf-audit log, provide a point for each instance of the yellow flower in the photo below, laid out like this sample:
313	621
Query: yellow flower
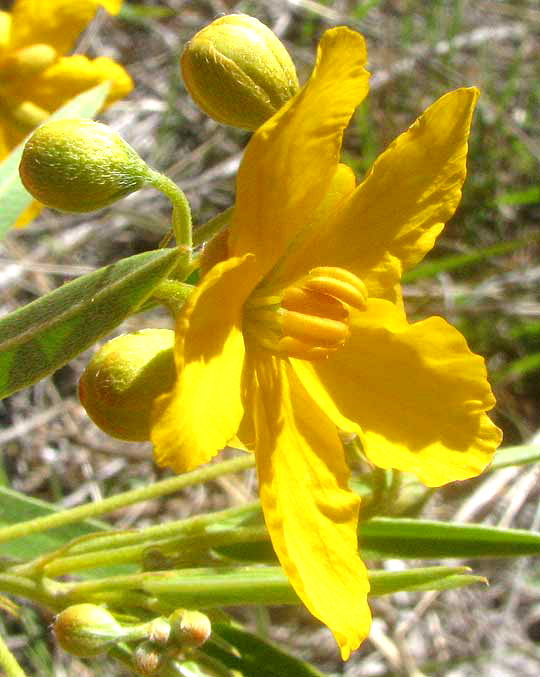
36	76
301	332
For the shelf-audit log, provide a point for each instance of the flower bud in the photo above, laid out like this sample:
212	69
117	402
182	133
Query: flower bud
147	659
86	630
122	380
189	628
78	165
238	71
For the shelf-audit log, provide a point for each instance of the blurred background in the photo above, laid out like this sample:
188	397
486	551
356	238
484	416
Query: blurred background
483	276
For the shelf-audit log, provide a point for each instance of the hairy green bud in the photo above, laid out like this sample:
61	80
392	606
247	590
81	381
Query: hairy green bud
238	71
86	630
121	382
78	165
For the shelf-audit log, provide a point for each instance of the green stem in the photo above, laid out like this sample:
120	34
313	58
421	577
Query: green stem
193	526
156	490
378	498
134	553
8	661
42	591
173	294
181	210
194	588
209	229
395	487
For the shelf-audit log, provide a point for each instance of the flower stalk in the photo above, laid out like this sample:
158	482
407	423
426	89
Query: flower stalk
181	219
156	490
8	661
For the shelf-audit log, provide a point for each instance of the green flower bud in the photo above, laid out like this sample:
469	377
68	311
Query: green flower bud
78	165
123	379
189	628
238	71
86	630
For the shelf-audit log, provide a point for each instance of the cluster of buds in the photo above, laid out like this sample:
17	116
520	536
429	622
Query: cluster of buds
238	72
88	630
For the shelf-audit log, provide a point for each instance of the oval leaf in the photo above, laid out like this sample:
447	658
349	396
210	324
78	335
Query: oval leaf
44	335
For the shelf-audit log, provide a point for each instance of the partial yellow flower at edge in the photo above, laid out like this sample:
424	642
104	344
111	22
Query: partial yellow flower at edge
56	22
302	331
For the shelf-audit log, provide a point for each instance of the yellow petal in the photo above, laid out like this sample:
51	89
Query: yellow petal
310	513
72	75
396	213
203	411
54	22
415	394
291	265
4	147
29	214
290	160
5	29
112	6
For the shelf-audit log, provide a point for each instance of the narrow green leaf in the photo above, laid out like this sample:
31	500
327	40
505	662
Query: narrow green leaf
521	455
207	588
432	268
16	508
403	538
44	335
14	198
519	367
140	14
529	196
383	537
253	656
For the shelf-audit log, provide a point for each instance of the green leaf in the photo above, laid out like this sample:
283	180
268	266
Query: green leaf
519	367
140	14
521	455
529	196
383	537
44	335
215	587
16	508
432	268
253	656
14	198
403	538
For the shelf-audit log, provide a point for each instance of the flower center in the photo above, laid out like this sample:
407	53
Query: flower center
309	319
27	62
